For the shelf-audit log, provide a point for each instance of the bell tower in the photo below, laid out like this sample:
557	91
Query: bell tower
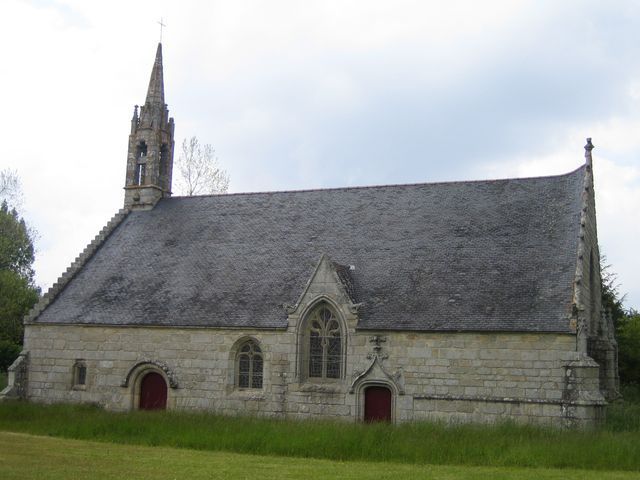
150	155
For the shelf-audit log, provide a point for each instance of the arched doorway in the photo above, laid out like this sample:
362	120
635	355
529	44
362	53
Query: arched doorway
153	392
377	404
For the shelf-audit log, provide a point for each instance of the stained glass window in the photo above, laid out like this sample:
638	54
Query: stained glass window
325	344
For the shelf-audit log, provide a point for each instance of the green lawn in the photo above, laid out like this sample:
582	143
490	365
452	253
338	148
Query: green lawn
616	446
33	457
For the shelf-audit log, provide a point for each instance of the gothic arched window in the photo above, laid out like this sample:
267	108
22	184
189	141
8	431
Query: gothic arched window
323	338
249	365
141	150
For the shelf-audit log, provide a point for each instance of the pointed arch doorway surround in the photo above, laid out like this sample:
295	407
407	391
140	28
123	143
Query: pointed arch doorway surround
377	404
153	392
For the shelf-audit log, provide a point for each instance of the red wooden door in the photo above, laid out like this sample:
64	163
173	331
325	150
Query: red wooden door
153	392
377	404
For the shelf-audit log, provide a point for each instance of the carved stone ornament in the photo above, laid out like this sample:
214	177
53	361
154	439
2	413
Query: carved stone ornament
354	307
173	383
375	370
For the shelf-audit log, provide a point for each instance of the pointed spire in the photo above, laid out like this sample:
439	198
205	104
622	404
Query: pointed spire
150	152
155	93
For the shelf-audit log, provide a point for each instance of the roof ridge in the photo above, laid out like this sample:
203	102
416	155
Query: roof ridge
371	187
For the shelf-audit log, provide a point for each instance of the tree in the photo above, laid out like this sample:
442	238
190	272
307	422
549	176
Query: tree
612	301
10	189
17	291
200	173
16	246
628	335
627	326
17	297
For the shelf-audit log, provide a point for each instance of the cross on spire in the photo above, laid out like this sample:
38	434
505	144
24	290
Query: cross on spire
161	26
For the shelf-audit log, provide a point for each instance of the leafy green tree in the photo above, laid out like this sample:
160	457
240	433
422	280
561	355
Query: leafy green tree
16	246
9	351
628	335
627	325
612	301
17	297
17	291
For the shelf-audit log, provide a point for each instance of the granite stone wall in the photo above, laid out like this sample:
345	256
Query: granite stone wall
479	377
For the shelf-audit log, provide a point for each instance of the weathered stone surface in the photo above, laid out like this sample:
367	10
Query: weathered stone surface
466	301
470	393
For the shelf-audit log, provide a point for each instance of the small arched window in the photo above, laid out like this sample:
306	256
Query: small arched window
79	374
249	364
324	342
141	150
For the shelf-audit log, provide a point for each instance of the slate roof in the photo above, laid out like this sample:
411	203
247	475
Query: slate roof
479	256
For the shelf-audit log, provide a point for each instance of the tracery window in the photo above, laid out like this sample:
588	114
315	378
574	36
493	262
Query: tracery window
324	343
249	365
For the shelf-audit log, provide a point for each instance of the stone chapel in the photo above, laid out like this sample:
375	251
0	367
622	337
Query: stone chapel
464	301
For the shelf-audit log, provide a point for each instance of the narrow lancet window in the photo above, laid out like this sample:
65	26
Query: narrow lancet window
140	174
79	374
141	159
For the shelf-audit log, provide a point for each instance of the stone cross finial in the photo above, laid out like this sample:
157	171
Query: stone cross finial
587	152
161	26
589	146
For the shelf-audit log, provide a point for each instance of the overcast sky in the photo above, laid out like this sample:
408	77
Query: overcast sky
308	94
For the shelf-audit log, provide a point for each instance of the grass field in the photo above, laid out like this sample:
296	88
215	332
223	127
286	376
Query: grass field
34	457
614	447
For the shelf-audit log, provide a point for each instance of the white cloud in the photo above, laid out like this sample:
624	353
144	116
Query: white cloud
617	187
305	94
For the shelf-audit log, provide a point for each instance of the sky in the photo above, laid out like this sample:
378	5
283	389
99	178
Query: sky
321	93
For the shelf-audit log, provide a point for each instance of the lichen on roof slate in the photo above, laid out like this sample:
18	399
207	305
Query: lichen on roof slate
462	256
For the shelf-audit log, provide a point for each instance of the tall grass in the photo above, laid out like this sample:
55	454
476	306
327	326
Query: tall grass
616	446
624	415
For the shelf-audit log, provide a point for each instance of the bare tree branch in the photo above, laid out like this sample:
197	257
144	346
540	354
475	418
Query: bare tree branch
200	173
10	188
